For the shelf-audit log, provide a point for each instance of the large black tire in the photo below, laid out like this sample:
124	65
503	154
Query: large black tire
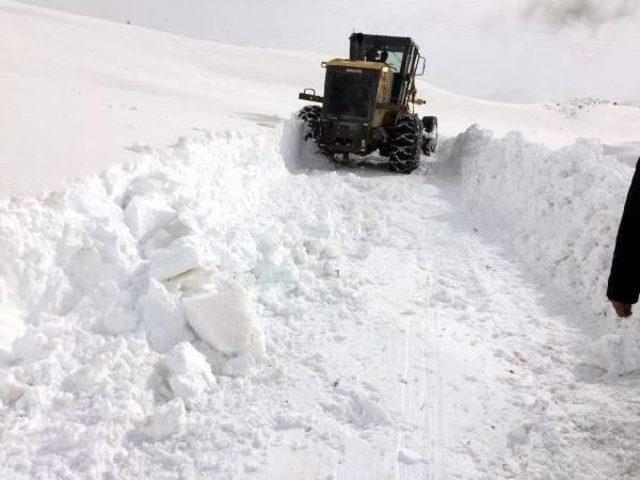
429	135
310	114
404	148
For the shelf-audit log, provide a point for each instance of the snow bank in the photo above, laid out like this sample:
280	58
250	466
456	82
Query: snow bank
562	206
136	300
561	209
92	283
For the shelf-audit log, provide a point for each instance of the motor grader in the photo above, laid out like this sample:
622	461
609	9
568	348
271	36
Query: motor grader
368	104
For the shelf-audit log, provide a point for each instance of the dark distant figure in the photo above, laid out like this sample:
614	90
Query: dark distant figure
624	279
383	56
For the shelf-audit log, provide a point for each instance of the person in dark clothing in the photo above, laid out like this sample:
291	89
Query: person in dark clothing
371	55
624	279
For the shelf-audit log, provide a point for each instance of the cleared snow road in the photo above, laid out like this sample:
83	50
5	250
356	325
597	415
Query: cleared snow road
402	340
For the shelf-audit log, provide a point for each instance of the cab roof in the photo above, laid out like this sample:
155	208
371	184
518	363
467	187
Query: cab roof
337	62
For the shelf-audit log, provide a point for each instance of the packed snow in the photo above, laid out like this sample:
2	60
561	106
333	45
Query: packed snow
233	305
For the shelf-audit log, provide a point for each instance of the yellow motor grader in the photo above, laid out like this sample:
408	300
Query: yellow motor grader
367	103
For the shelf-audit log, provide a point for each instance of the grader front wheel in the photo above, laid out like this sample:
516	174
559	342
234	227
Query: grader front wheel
404	147
310	114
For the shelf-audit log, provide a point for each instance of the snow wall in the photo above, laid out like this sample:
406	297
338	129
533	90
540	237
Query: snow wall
561	207
138	272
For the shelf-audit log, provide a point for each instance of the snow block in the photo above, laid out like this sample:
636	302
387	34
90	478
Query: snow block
188	373
145	214
10	388
224	320
617	354
181	256
258	345
35	398
162	316
12	325
409	457
167	420
32	346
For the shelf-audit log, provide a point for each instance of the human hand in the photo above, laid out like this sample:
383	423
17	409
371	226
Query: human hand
622	309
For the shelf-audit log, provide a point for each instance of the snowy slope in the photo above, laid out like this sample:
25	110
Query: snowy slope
92	100
521	51
227	304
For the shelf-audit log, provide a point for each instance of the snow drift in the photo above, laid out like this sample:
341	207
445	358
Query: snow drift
560	210
100	277
138	295
562	206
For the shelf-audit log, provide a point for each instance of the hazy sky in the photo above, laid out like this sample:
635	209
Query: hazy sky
515	50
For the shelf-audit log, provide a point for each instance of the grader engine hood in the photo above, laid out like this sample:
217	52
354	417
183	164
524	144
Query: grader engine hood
353	88
353	91
350	91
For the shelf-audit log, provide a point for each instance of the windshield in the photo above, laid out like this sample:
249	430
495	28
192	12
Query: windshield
350	91
395	60
390	57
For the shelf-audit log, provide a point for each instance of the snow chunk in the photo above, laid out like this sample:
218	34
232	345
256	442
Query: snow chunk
167	420
32	346
145	214
11	324
10	388
162	316
409	457
87	377
181	256
35	398
188	372
225	320
258	346
616	354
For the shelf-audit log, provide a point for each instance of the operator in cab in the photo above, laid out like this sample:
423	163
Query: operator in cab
624	280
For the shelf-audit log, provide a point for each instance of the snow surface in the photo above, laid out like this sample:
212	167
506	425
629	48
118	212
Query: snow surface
232	305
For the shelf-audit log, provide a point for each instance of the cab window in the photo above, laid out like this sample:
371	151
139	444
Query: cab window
394	59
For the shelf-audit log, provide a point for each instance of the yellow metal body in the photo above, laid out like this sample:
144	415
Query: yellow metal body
383	96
